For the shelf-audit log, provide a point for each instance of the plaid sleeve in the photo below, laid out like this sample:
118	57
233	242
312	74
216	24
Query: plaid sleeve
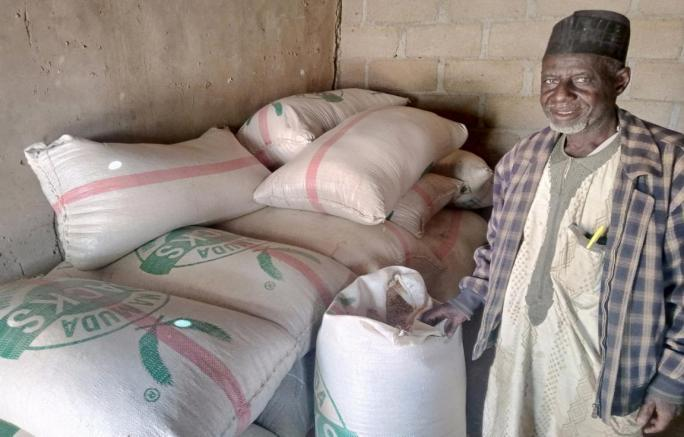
669	381
474	288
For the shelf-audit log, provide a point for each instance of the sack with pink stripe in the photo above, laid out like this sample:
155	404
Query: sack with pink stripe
363	249
111	198
476	175
425	199
277	282
83	358
453	235
280	130
360	169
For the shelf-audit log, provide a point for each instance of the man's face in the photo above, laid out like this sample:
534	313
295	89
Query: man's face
577	92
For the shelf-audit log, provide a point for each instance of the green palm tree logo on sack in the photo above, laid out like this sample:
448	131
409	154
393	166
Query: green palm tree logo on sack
148	345
196	245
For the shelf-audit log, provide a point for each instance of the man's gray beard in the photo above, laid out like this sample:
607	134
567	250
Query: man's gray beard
576	128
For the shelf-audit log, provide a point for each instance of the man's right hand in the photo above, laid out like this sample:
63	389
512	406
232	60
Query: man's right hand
451	313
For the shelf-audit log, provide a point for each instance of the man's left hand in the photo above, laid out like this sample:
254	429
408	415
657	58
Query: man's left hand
656	414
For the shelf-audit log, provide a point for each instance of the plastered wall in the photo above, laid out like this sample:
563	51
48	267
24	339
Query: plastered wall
479	61
152	70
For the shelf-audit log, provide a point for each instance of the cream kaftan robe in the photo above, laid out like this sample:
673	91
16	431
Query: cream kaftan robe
544	376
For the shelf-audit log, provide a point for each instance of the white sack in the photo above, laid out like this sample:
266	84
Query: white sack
360	169
426	198
380	371
478	178
111	198
287	285
89	358
453	235
363	249
281	129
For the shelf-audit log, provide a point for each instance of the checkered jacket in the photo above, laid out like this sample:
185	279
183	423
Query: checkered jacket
641	311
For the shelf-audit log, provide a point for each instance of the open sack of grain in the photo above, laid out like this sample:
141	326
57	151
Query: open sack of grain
380	371
111	198
280	130
84	357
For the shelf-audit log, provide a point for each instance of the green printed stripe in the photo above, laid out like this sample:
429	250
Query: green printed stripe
7	429
327	392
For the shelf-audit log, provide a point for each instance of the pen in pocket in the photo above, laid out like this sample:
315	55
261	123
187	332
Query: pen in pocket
600	232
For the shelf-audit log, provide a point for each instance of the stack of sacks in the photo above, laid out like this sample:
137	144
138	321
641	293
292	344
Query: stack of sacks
443	256
393	168
283	284
111	198
119	202
282	129
84	357
362	248
361	169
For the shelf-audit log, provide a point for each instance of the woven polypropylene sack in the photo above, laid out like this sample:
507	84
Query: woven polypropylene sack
425	199
84	358
111	198
453	235
476	175
363	249
360	169
280	130
285	284
380	371
290	410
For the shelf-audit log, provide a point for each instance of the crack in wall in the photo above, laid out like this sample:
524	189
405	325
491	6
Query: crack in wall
27	25
336	48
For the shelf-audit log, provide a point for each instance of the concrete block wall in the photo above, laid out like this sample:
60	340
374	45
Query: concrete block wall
479	61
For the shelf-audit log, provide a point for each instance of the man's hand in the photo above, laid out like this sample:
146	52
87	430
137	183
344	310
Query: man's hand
451	313
656	414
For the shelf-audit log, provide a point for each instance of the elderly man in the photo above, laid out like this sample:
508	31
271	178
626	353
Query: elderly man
583	278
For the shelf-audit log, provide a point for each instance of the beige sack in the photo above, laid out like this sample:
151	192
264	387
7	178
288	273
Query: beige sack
360	169
425	199
284	284
111	198
280	130
474	172
361	248
89	358
453	235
